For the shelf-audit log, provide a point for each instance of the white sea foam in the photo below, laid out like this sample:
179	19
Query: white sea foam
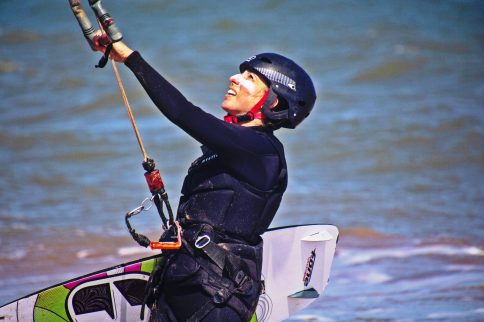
376	311
361	256
83	253
461	268
312	318
449	315
20	226
16	254
135	250
374	277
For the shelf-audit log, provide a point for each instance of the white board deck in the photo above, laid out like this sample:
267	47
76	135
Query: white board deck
296	266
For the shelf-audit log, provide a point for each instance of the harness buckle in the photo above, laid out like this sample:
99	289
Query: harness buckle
221	296
240	278
202	241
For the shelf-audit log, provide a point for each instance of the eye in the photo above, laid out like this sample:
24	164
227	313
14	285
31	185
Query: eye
251	76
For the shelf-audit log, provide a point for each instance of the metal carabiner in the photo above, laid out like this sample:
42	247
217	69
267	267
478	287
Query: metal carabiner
145	205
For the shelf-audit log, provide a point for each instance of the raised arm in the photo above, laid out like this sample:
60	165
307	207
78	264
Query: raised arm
204	127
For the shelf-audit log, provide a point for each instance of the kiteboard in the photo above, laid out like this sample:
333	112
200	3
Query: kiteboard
296	267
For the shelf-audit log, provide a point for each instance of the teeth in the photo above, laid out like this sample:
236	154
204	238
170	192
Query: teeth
231	92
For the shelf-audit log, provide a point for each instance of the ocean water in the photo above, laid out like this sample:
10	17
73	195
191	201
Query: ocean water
392	154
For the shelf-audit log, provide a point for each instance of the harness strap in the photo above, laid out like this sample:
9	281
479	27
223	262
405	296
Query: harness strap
155	281
202	312
220	288
229	263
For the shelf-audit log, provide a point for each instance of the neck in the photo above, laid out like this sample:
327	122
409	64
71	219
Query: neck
254	122
254	114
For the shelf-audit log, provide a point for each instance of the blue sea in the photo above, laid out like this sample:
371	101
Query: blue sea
392	154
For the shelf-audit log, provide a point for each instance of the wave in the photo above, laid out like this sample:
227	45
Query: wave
20	36
353	257
7	66
451	315
387	70
360	245
135	250
373	277
311	317
63	248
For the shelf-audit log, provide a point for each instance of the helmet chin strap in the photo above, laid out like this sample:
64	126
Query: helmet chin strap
256	111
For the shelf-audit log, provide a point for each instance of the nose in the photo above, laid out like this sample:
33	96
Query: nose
235	79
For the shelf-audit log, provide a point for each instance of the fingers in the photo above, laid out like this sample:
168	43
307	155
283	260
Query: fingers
100	41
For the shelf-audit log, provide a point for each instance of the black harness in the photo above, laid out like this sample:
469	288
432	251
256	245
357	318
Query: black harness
224	276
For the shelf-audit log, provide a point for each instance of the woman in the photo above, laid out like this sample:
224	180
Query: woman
232	192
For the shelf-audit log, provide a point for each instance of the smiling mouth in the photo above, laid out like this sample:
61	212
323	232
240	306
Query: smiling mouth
231	92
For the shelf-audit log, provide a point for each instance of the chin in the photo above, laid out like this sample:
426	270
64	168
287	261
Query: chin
230	111
225	109
225	106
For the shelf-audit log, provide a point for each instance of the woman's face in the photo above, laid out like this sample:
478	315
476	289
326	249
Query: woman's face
245	91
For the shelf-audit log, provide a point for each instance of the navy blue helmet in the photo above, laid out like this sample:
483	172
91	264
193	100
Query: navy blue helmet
289	82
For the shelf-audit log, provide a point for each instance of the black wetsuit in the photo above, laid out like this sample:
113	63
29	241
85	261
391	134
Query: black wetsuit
231	193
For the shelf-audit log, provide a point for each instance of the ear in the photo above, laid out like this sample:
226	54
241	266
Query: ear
274	103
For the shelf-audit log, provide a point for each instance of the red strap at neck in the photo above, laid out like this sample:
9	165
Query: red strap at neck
254	113
256	109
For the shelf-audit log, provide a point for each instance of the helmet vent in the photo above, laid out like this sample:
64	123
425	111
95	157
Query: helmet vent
301	103
266	60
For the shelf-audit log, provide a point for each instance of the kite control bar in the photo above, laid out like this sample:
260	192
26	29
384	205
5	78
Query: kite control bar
106	22
103	17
